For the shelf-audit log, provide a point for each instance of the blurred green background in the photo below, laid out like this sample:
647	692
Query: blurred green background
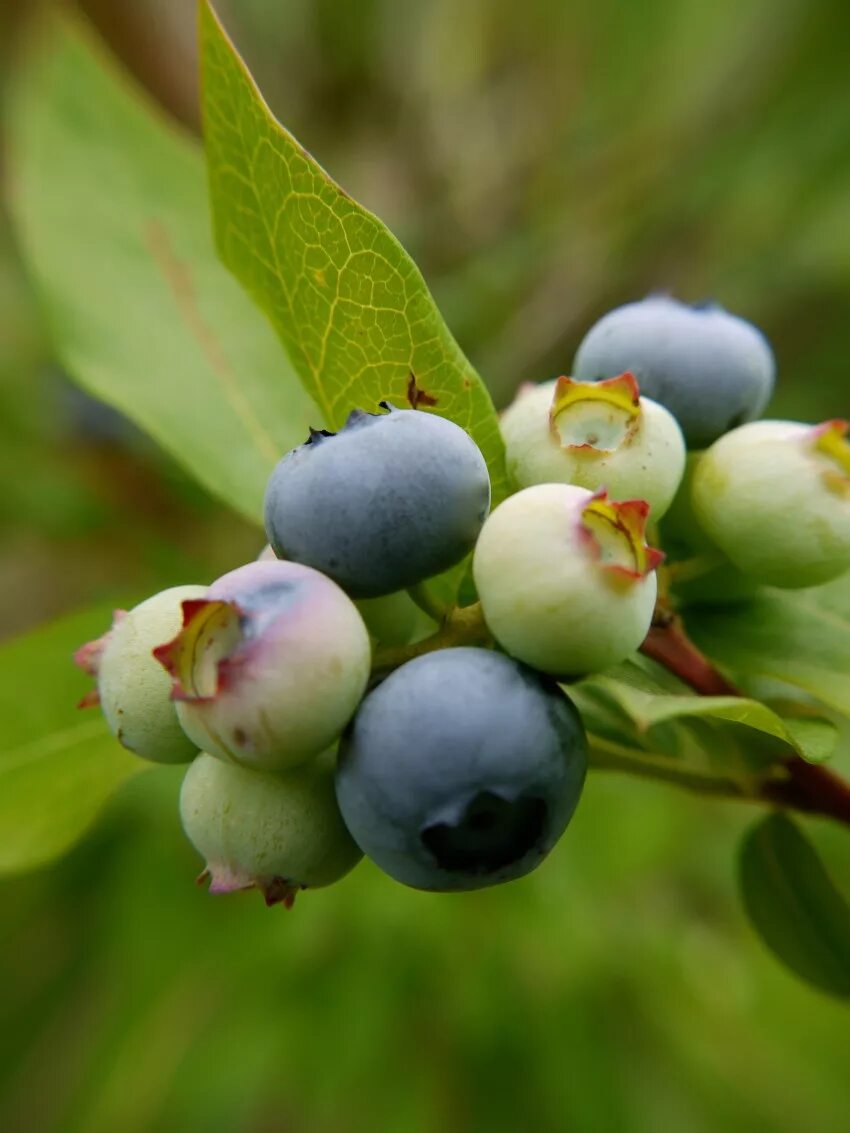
542	162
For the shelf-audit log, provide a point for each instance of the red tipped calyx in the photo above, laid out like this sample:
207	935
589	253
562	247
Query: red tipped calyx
196	659
275	890
278	891
830	440
88	658
595	416
614	532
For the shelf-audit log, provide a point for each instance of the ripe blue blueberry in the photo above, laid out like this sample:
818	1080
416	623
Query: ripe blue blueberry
712	370
390	500
461	770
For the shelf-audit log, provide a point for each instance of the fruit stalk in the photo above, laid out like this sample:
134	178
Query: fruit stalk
464	625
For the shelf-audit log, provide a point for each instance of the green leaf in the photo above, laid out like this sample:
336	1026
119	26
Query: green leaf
642	720
794	906
800	637
111	210
348	302
59	764
812	738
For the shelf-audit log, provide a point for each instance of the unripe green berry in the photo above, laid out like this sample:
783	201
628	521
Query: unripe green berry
700	574
596	435
275	832
132	689
775	498
391	619
269	666
566	581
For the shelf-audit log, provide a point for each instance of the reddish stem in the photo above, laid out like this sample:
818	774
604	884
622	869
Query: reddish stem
669	645
809	787
823	790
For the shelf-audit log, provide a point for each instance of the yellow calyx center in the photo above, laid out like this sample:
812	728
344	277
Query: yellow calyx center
597	416
616	536
211	632
831	441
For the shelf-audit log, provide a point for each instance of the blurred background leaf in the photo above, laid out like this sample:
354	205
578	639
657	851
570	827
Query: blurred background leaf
794	905
58	764
541	163
139	309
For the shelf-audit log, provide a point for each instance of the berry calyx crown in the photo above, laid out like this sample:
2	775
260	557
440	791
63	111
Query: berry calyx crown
597	417
200	657
830	440
614	531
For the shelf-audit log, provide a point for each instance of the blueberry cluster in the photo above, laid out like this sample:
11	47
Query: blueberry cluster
318	732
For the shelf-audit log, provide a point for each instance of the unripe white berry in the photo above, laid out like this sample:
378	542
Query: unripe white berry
775	498
566	581
132	689
275	832
596	435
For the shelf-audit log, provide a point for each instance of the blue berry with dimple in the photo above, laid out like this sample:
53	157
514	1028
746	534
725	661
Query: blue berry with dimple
387	502
461	770
712	370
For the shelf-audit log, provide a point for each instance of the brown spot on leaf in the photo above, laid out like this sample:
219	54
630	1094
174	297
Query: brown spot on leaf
417	396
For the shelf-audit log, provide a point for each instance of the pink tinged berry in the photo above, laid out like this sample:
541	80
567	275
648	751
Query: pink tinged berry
566	579
133	692
774	496
269	665
277	832
595	435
